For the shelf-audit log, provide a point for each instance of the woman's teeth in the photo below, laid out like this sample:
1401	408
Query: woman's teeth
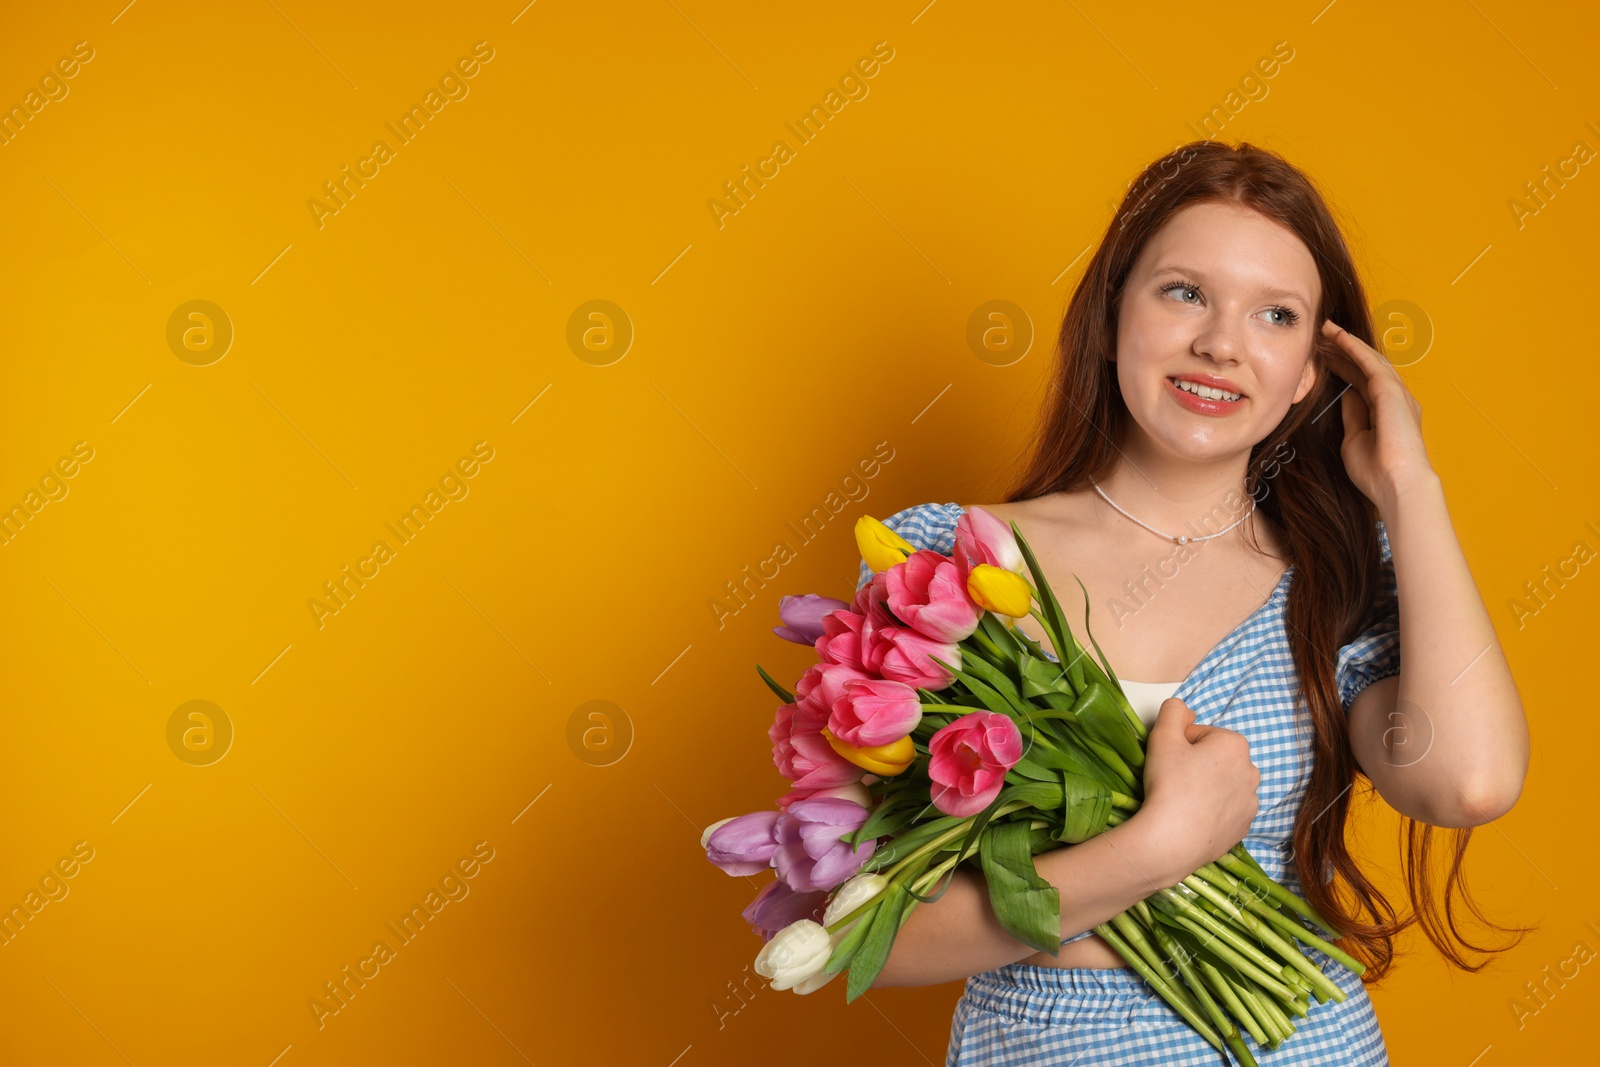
1205	391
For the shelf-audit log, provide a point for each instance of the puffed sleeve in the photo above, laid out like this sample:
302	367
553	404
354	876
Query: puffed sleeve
1375	652
925	526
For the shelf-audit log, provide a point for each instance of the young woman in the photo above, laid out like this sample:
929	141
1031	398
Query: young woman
1238	477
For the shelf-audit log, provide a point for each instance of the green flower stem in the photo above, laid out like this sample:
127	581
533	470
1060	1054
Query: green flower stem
1227	945
920	885
936	845
1180	958
1231	997
1274	1020
918	835
1207	890
931	878
1272	1012
1280	1018
1242	870
1291	955
1284	923
1129	928
903	871
1240	1049
1160	984
1300	1006
1194	909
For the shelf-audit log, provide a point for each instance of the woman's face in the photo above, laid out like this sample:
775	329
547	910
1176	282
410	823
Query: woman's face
1219	292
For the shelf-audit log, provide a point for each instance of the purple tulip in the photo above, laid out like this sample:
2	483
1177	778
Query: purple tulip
802	617
745	844
777	906
810	854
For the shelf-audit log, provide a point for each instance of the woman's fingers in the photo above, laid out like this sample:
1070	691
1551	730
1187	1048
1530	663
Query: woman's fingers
1351	351
1348	366
1365	368
1357	415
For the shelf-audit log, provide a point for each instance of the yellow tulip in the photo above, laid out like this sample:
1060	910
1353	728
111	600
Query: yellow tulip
880	546
1000	591
886	760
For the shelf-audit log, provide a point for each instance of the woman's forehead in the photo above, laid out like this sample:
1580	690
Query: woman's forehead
1228	244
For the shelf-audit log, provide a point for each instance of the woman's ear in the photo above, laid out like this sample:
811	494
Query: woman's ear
1310	375
1308	379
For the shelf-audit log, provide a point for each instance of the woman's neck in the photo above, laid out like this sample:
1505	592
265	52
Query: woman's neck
1179	497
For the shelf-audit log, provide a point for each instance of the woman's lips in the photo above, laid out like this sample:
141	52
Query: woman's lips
1199	404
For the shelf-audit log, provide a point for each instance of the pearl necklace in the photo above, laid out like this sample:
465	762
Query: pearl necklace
1179	539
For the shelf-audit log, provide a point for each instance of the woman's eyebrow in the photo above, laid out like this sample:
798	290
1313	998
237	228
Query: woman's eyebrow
1266	290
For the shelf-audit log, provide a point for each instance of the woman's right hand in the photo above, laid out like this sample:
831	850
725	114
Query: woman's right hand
1200	789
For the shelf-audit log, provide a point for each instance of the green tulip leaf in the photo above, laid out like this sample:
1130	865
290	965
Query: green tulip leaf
876	942
1087	808
1027	906
783	694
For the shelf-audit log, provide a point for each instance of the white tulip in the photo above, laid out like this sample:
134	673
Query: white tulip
854	893
795	956
853	791
816	981
705	837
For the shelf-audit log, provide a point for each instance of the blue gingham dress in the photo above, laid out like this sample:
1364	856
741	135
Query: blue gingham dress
1109	1017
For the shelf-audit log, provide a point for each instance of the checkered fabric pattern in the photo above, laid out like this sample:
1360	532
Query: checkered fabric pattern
1092	1017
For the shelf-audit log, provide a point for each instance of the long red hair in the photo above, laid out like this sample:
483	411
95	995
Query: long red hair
1325	523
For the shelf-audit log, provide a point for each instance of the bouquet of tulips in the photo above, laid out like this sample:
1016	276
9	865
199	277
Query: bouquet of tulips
933	731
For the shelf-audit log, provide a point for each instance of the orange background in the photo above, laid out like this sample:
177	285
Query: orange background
739	374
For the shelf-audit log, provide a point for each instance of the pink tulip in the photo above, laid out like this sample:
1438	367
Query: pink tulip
928	593
870	600
905	656
983	538
840	638
744	845
778	906
802	616
802	754
968	761
810	854
823	684
874	712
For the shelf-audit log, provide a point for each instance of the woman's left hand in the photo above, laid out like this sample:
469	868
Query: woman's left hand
1383	450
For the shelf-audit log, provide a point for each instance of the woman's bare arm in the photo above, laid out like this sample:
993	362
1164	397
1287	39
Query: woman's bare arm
1200	798
957	935
1455	701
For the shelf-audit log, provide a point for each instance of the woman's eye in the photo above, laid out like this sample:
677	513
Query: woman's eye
1286	316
